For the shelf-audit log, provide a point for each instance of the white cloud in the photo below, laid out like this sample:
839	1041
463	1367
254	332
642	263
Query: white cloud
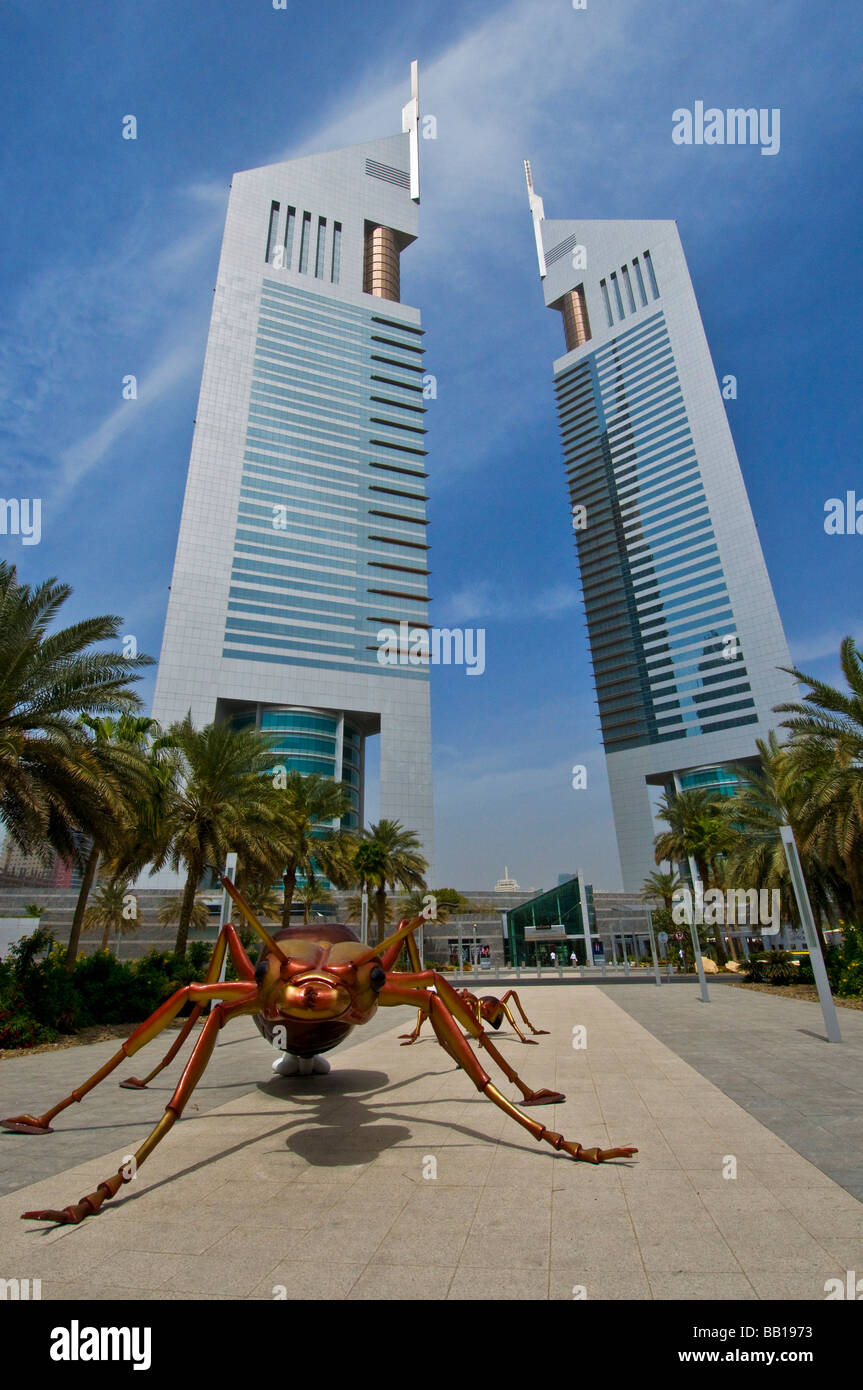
486	601
824	645
178	364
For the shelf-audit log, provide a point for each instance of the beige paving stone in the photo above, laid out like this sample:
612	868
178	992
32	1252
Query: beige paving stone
617	1280
712	1287
515	1284
307	1278
322	1191
796	1283
676	1250
418	1282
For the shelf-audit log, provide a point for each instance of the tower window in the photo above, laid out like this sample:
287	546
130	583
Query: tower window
337	253
651	275
272	230
321	248
305	238
289	236
640	280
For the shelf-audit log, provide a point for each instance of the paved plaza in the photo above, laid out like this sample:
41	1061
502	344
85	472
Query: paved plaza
393	1178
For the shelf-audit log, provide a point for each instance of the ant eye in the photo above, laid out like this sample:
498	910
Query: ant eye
261	970
377	977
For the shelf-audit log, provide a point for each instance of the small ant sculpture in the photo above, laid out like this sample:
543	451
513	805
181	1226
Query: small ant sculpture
486	1008
313	984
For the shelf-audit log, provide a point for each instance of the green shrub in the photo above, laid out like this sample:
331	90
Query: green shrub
774	968
39	997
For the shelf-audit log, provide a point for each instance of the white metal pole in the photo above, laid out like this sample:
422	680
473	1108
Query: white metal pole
653	947
696	884
225	914
819	969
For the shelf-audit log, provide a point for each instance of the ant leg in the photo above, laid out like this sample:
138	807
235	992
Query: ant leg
144	1033
511	994
462	1011
226	940
412	1037
71	1215
514	1025
450	1037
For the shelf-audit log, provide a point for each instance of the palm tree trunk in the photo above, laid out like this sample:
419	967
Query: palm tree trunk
81	907
855	883
289	879
380	913
186	909
103	944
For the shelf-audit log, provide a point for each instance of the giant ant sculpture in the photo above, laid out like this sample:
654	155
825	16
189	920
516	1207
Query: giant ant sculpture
313	984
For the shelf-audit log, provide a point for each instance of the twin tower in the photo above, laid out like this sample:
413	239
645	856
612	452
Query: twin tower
304	526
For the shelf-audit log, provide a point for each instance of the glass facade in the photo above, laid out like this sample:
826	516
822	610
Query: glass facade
554	921
667	659
330	541
311	741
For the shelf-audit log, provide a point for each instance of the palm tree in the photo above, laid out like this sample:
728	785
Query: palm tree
662	886
214	799
767	798
263	900
311	892
402	865
172	908
306	842
698	830
354	911
118	748
51	784
110	911
826	754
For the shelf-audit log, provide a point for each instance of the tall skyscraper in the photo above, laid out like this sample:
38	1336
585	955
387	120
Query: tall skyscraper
304	522
685	636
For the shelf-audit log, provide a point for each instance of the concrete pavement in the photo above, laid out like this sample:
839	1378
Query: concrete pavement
393	1178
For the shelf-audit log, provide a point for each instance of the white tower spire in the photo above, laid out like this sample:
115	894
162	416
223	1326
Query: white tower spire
538	214
410	126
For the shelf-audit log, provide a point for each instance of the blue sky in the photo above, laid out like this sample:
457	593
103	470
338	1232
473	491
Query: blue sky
109	256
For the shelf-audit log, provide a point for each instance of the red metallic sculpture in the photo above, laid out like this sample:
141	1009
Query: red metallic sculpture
486	1008
313	984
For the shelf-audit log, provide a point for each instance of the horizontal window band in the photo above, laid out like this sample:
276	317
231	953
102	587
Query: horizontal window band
400	569
399	448
393	468
402	405
391	342
399	593
397	492
390	381
397	323
394	540
397	425
394	621
394	362
399	516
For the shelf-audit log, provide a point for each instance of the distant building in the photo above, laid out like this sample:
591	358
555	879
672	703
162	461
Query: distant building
506	884
41	868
